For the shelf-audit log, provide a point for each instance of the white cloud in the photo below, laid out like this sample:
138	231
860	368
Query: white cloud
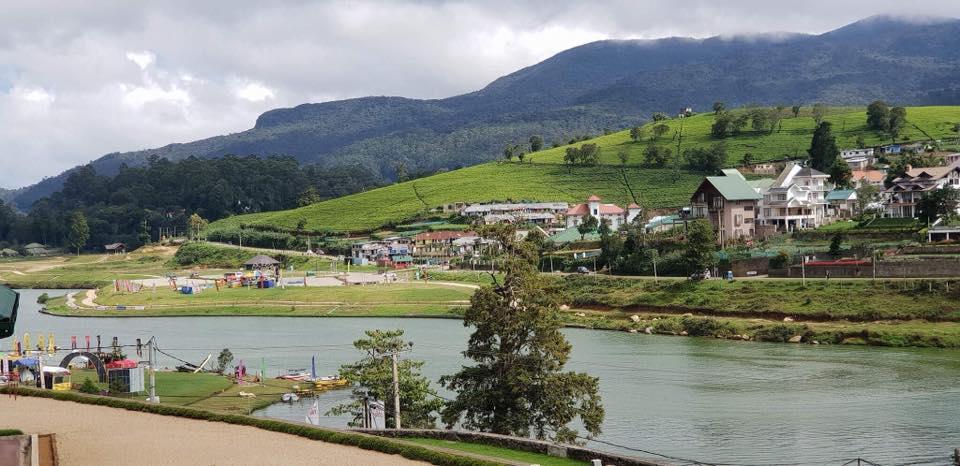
33	95
253	91
142	59
73	94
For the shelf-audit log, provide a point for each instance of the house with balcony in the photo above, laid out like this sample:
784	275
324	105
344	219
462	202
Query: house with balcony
906	191
796	199
729	202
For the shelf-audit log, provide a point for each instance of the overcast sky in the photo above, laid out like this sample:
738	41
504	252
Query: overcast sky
82	79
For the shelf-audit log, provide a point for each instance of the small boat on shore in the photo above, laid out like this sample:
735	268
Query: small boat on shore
289	397
330	381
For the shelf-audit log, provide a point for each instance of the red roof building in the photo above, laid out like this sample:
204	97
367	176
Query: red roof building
613	214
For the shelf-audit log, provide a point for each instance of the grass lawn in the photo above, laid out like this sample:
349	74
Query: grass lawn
175	388
498	452
368	294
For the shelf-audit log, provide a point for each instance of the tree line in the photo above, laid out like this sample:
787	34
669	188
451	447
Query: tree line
139	204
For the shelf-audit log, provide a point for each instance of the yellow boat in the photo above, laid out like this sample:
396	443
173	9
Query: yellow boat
331	381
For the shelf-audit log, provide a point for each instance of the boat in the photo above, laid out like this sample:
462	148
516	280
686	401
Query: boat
330	381
295	374
289	397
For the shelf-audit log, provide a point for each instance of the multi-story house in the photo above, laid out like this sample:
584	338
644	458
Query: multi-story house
437	244
729	202
796	199
907	190
613	214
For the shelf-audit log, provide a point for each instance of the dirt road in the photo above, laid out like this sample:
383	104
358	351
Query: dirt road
97	435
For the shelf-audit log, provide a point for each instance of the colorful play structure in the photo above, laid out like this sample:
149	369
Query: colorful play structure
35	365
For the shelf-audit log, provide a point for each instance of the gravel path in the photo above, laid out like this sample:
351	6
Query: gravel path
98	435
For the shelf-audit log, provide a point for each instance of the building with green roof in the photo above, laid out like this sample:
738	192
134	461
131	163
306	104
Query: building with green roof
730	203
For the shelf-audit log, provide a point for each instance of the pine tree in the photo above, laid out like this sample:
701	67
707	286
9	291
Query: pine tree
823	147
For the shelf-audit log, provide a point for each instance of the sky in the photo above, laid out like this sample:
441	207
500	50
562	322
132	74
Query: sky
82	79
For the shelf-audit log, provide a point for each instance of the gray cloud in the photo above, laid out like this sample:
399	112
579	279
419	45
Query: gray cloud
80	79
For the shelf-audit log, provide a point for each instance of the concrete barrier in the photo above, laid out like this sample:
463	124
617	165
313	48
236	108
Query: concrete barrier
519	443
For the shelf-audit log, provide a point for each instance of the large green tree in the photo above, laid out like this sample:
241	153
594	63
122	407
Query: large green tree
79	231
939	203
701	246
878	116
823	147
517	384
840	173
588	225
372	378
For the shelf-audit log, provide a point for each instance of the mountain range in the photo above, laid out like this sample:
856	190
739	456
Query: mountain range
608	84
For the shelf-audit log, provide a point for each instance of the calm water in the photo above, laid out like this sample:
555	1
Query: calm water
705	399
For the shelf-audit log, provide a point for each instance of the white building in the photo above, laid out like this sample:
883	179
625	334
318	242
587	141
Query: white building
615	215
545	213
796	199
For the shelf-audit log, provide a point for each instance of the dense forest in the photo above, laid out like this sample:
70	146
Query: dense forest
141	203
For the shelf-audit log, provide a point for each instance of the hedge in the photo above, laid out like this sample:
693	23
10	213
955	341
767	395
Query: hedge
366	442
9	432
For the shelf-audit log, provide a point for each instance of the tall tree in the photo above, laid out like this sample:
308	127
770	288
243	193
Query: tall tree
588	225
939	203
878	116
624	156
197	225
372	377
823	147
636	133
840	173
700	246
79	231
536	143
866	195
718	107
898	120
660	130
795	110
517	385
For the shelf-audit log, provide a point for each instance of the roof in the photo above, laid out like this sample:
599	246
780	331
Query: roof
762	184
875	176
841	194
442	235
732	172
34	246
633	205
262	260
113	246
931	172
571	235
509	207
593	198
733	188
808	172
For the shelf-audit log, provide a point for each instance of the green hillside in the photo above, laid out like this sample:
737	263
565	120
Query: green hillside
543	177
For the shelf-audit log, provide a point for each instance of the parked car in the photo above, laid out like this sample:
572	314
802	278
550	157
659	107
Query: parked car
583	270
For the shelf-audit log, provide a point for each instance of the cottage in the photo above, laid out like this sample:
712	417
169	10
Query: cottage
907	190
115	248
796	199
614	215
541	213
729	202
841	203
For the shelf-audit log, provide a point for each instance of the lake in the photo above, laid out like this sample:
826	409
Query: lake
705	399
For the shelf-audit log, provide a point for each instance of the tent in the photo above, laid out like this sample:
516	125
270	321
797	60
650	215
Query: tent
260	261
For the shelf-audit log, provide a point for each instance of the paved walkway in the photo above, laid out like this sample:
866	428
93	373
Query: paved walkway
98	435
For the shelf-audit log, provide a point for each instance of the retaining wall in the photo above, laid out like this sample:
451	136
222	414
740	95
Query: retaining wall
519	443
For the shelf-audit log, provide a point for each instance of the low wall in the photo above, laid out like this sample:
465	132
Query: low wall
519	443
749	267
926	268
23	450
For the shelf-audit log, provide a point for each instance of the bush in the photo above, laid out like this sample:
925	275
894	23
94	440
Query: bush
777	333
42	299
9	432
779	261
89	387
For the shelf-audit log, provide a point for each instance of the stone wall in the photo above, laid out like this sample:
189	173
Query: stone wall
519	443
925	268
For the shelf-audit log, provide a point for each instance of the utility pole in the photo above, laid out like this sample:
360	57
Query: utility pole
152	361
803	268
655	279
396	394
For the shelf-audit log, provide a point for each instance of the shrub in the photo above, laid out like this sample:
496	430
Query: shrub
42	299
9	432
89	387
776	333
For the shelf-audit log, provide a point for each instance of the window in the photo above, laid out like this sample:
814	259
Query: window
737	219
748	220
718	202
748	208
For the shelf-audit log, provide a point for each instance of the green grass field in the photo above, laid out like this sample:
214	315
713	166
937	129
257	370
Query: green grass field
498	452
543	177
